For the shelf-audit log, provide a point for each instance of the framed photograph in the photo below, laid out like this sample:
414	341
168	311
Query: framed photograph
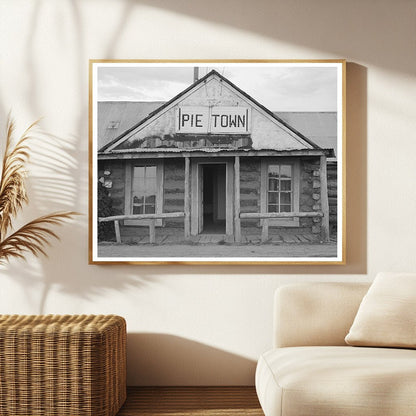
217	162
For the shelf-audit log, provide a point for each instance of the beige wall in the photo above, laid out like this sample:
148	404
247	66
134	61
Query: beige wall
201	324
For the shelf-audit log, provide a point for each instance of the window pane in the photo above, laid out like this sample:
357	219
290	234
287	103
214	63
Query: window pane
151	199
273	184
138	172
150	187
150	180
286	185
273	197
280	188
273	208
137	209
138	200
285	198
150	171
273	171
285	171
138	185
150	209
144	189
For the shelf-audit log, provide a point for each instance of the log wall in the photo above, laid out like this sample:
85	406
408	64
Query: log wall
250	190
332	196
310	193
173	186
117	177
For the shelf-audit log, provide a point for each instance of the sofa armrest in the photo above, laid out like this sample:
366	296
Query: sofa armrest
315	313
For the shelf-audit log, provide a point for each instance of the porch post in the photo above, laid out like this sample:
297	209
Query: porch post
187	201
237	221
324	200
152	231
117	231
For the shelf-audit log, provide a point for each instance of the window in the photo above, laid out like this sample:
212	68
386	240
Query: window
280	183
144	189
280	188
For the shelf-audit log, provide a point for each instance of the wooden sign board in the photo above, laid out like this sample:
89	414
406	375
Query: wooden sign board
215	120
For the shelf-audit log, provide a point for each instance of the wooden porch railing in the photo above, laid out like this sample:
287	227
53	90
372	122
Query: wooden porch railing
266	216
150	218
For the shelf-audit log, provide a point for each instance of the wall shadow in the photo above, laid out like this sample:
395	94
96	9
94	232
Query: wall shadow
57	180
52	186
169	360
337	28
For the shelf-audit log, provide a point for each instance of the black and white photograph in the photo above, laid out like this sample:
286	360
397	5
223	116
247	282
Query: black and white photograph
217	162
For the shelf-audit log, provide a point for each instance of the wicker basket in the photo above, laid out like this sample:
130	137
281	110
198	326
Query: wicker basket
71	365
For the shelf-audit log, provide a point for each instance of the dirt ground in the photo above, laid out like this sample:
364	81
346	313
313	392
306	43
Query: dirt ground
217	250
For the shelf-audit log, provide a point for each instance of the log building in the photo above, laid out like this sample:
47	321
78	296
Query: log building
213	159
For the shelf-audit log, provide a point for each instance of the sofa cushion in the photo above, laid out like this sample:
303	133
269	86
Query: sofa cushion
315	314
342	381
387	314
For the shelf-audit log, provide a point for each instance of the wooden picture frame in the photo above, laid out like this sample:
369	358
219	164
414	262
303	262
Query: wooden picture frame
217	162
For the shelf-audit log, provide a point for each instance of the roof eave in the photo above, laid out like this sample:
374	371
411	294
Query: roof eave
157	153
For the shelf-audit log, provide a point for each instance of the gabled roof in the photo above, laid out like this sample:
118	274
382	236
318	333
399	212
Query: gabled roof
154	114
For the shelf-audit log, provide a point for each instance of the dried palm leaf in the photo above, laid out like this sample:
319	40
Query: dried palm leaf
32	237
12	183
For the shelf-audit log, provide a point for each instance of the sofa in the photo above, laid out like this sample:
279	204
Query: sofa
312	371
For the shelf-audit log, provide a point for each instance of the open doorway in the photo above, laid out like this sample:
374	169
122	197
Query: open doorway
213	201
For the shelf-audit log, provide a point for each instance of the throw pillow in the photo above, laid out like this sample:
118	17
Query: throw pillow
387	314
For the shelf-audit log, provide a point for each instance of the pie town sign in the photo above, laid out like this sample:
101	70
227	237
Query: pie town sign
214	120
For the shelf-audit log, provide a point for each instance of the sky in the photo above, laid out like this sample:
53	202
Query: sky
277	87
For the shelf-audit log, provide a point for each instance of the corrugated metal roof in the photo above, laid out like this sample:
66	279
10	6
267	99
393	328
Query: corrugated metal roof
320	127
121	115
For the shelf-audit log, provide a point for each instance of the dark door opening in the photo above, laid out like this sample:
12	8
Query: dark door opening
213	198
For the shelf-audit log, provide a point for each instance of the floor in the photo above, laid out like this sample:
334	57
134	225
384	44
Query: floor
218	251
170	243
250	235
191	401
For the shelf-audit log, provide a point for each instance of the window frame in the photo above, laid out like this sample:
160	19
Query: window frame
128	207
295	164
145	201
